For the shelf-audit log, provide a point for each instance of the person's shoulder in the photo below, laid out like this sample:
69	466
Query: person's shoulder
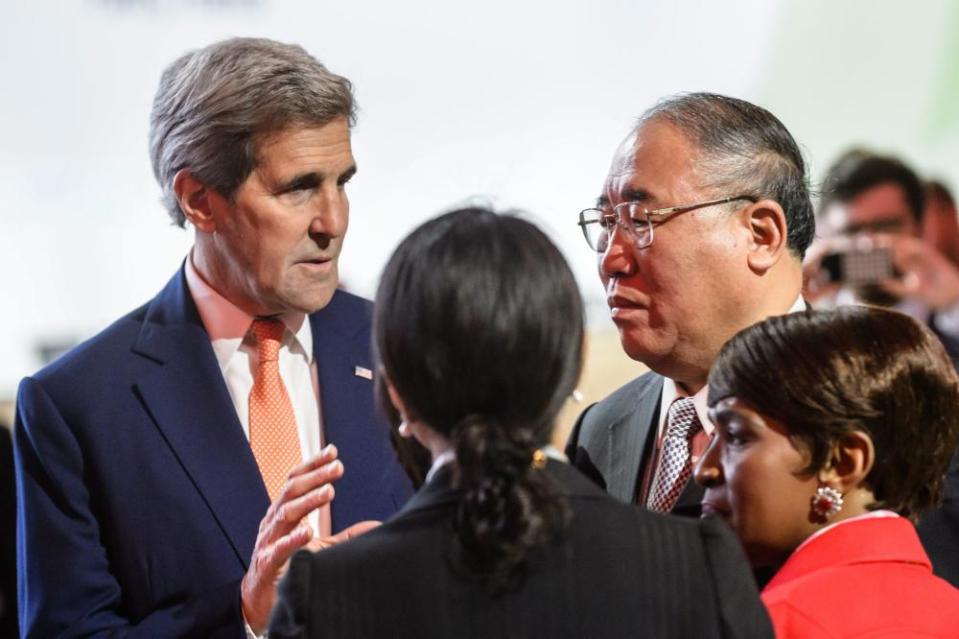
894	593
399	548
100	352
592	505
345	313
625	399
346	302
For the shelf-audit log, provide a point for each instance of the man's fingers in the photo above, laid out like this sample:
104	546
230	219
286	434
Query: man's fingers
901	287
290	513
347	534
325	456
313	470
272	559
305	482
356	530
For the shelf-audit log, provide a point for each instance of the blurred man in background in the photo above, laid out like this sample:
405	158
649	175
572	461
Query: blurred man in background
940	220
870	247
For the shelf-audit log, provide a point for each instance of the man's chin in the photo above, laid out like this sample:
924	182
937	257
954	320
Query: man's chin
639	350
305	301
317	303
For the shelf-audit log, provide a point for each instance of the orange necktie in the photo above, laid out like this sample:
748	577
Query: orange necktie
273	434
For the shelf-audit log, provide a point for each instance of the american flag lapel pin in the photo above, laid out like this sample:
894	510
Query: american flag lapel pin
365	373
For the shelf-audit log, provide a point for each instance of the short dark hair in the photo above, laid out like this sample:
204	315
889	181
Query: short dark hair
858	170
937	190
745	149
478	324
855	368
215	104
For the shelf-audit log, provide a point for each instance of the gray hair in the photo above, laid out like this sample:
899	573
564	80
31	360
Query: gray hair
214	104
744	148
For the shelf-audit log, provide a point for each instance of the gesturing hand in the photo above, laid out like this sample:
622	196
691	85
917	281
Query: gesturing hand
284	530
357	529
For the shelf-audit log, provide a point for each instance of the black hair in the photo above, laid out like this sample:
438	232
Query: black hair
858	170
478	325
745	150
855	368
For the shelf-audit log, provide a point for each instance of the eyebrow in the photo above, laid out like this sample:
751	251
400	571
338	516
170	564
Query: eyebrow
301	181
636	195
347	175
313	179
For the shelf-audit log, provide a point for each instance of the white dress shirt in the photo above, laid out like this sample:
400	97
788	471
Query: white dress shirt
235	348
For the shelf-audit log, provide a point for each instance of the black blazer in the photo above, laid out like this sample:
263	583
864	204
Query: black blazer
939	529
619	572
612	441
8	535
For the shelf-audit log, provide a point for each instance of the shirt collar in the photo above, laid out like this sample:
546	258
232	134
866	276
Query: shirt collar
227	324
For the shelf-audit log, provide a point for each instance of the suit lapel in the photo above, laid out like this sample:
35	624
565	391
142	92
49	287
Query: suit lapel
629	435
190	404
340	345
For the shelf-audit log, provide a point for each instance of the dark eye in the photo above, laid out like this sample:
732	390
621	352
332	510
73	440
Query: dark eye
734	436
607	221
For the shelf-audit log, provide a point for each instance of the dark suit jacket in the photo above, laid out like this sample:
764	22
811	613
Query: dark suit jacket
8	550
939	529
139	498
613	440
618	572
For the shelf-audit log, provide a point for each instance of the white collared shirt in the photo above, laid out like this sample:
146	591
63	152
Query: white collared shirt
235	348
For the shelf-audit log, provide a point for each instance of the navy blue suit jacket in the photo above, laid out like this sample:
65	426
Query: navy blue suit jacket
139	498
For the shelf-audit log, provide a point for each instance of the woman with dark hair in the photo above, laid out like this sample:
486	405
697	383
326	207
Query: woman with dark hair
478	333
833	432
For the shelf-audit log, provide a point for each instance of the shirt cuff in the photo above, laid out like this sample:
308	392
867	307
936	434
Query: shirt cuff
249	631
947	321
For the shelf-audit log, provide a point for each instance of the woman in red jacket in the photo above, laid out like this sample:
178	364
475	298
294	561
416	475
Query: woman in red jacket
833	432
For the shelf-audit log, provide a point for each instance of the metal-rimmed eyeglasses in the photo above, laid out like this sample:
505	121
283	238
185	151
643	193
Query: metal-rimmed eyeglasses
598	224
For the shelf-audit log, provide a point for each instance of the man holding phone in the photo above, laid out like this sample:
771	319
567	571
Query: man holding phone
870	251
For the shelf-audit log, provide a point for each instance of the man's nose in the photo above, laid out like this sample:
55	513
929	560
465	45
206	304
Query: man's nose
618	257
331	215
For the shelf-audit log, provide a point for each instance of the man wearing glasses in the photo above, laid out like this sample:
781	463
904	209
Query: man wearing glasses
700	232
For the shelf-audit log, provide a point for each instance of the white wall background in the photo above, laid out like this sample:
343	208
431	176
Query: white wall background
521	101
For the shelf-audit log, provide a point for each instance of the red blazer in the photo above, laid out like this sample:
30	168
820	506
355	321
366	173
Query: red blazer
866	578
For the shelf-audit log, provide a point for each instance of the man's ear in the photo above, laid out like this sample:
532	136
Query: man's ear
768	239
196	200
849	463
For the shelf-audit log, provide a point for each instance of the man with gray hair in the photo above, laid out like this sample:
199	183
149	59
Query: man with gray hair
168	467
700	232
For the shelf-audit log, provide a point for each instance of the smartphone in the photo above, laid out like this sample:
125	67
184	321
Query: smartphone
859	266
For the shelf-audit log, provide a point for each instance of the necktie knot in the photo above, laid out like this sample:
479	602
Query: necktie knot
681	420
269	335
